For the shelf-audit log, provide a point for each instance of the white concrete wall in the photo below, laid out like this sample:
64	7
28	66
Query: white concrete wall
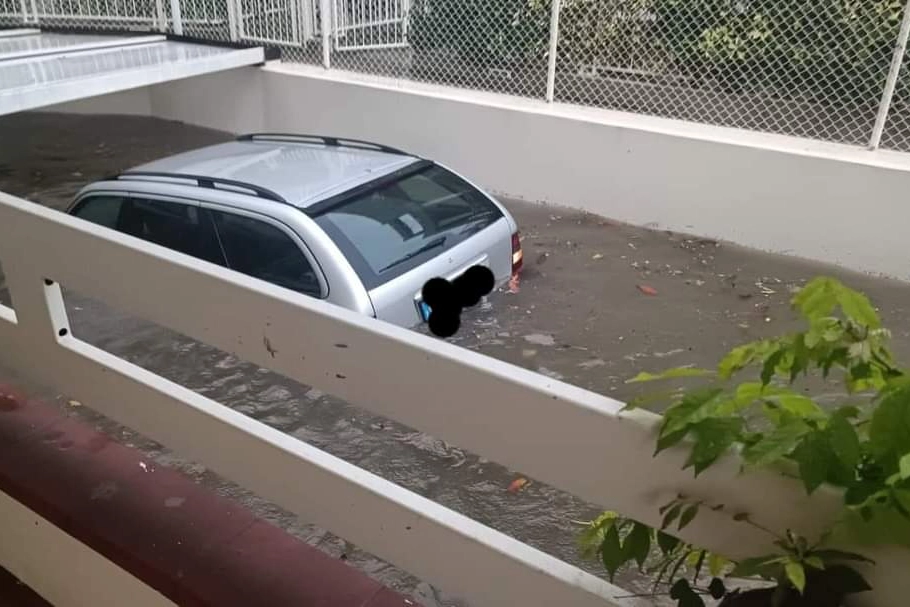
134	102
816	200
234	100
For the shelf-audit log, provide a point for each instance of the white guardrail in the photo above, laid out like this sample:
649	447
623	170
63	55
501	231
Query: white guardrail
571	438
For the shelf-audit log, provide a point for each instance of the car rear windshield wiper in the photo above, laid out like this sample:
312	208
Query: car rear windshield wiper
427	247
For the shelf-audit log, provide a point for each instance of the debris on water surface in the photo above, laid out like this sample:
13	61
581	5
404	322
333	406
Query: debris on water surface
549	373
647	290
540	339
590	364
517	485
597	256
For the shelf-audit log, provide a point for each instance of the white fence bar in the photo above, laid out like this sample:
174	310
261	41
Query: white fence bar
176	17
897	61
554	47
62	569
557	433
326	18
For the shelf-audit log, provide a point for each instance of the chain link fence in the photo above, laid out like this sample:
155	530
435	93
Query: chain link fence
809	68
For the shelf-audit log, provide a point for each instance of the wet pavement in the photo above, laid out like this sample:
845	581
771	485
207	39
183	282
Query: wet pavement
597	303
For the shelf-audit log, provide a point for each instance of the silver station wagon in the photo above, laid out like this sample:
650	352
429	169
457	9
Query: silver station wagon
357	224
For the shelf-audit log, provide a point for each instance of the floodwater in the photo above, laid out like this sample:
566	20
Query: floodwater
597	303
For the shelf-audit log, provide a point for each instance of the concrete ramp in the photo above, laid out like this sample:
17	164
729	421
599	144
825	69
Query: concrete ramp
39	68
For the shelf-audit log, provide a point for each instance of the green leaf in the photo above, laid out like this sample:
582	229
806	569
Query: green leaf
761	565
590	540
770	366
742	356
687	516
904	466
817	298
889	431
671	516
637	544
716	588
611	552
813	455
778	443
800	406
713	437
666	542
679	588
670	374
678	416
796	574
815	562
844	579
858	308
844	440
717	564
830	555
665	441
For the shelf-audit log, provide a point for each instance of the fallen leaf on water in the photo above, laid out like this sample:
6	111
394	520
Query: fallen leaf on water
647	290
513	284
597	256
517	485
74	403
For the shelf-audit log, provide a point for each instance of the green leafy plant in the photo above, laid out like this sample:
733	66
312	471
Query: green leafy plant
856	438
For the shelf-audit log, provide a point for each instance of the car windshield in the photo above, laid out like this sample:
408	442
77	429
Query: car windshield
399	225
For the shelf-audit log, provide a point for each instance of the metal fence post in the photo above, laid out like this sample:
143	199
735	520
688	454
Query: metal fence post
177	17
891	83
325	29
234	16
554	44
160	16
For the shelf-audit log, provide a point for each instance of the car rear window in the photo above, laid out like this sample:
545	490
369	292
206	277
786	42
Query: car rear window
396	226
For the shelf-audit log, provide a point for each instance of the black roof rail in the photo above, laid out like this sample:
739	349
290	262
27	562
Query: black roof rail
206	182
330	141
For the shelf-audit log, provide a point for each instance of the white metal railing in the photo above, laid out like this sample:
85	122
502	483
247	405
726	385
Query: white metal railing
571	438
370	24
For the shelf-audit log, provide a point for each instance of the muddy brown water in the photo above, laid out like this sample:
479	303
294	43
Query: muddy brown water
597	303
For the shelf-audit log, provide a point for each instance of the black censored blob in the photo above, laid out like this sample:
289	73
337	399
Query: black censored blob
438	292
447	299
444	324
475	283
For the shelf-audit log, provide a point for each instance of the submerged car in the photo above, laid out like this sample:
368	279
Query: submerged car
358	224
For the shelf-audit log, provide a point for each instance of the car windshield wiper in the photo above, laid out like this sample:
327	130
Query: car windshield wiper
427	247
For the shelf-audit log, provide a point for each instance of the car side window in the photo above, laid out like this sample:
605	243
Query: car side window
103	210
183	228
262	251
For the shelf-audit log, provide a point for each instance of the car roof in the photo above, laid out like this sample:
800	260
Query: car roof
302	172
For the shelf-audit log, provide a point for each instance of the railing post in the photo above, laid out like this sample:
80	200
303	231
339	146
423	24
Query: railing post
554	45
234	17
325	27
177	17
891	83
160	15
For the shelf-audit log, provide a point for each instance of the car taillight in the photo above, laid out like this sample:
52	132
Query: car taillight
517	255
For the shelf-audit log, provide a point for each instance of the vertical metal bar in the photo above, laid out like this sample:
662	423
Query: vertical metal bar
296	8
233	11
554	45
891	83
325	19
177	17
160	17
